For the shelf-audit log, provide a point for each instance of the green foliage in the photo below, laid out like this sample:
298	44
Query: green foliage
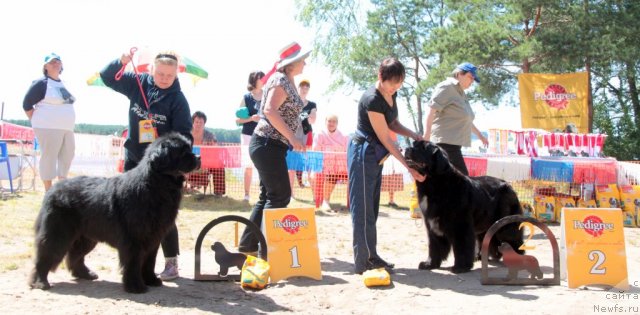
503	38
223	135
226	135
99	129
19	122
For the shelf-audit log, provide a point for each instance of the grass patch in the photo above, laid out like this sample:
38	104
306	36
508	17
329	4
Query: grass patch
19	213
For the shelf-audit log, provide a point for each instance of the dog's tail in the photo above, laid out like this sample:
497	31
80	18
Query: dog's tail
38	225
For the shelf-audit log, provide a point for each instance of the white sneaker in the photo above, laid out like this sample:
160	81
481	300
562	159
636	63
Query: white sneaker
246	198
170	269
325	206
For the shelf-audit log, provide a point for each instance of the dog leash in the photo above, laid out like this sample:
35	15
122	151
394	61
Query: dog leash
135	70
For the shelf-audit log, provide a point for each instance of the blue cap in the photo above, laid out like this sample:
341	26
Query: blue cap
469	68
50	57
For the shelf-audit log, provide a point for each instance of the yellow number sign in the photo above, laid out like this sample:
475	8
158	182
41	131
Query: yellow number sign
292	243
592	247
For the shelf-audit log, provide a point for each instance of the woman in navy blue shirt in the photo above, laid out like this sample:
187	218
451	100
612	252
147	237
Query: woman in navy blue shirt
377	115
163	108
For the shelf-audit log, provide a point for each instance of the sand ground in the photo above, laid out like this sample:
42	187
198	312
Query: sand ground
401	240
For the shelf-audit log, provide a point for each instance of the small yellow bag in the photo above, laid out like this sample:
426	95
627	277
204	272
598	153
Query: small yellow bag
376	277
255	273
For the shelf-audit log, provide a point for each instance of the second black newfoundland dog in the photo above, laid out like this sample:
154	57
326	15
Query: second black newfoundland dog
131	212
458	210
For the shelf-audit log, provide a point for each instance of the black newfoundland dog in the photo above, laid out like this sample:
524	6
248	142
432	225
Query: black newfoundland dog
131	212
458	210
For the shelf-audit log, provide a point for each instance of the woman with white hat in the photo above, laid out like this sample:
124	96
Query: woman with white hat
274	135
49	106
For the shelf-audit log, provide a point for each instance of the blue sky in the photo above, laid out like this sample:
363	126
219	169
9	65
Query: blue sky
228	41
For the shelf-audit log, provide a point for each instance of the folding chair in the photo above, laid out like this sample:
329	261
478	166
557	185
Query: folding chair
4	158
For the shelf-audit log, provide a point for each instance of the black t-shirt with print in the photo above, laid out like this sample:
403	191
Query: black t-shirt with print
373	101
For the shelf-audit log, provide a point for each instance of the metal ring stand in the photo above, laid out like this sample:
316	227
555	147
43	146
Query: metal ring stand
226	218
519	281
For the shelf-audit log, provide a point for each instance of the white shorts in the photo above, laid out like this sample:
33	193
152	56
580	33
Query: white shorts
244	151
57	148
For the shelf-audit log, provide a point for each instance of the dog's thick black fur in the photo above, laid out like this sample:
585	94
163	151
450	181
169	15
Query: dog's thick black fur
131	212
458	210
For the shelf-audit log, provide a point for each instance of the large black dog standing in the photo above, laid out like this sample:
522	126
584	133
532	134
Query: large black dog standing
458	210
131	212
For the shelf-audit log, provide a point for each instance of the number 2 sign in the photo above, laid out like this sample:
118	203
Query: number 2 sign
292	243
592	247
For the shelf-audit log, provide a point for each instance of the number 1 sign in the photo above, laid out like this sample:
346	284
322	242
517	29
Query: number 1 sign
592	247
292	243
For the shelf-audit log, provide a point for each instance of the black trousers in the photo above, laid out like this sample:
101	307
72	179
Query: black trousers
455	156
170	243
269	158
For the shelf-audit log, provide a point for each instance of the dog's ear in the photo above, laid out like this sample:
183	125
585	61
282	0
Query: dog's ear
439	160
159	157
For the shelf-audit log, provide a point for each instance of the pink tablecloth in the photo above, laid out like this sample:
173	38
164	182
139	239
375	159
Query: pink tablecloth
220	156
477	166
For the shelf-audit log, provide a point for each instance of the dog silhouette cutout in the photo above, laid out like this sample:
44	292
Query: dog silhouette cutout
226	259
516	262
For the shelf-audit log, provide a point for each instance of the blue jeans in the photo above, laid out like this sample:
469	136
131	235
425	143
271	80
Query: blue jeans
269	158
365	178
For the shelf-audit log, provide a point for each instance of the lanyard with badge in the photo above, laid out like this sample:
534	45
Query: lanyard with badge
147	132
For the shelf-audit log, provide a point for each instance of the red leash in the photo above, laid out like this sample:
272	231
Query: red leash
135	70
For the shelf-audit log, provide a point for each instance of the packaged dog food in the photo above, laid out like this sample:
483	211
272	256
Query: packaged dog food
544	207
414	205
527	210
563	201
255	273
630	200
591	203
607	196
628	219
376	277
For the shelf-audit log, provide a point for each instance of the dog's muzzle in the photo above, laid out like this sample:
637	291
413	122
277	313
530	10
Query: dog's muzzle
416	165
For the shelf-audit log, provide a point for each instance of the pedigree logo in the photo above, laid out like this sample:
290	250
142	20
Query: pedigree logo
290	224
593	225
556	96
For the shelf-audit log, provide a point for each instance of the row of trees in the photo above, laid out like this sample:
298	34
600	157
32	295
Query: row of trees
223	135
502	37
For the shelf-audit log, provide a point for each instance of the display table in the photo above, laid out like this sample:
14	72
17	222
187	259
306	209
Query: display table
575	170
218	156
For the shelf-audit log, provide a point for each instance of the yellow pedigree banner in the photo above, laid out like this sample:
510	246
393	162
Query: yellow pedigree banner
593	247
292	243
554	101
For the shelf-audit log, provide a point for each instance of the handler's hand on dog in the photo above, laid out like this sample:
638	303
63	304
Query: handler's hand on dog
417	176
417	137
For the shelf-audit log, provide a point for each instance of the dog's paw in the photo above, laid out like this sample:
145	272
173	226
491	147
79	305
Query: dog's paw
42	285
427	265
153	281
136	288
460	269
85	274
